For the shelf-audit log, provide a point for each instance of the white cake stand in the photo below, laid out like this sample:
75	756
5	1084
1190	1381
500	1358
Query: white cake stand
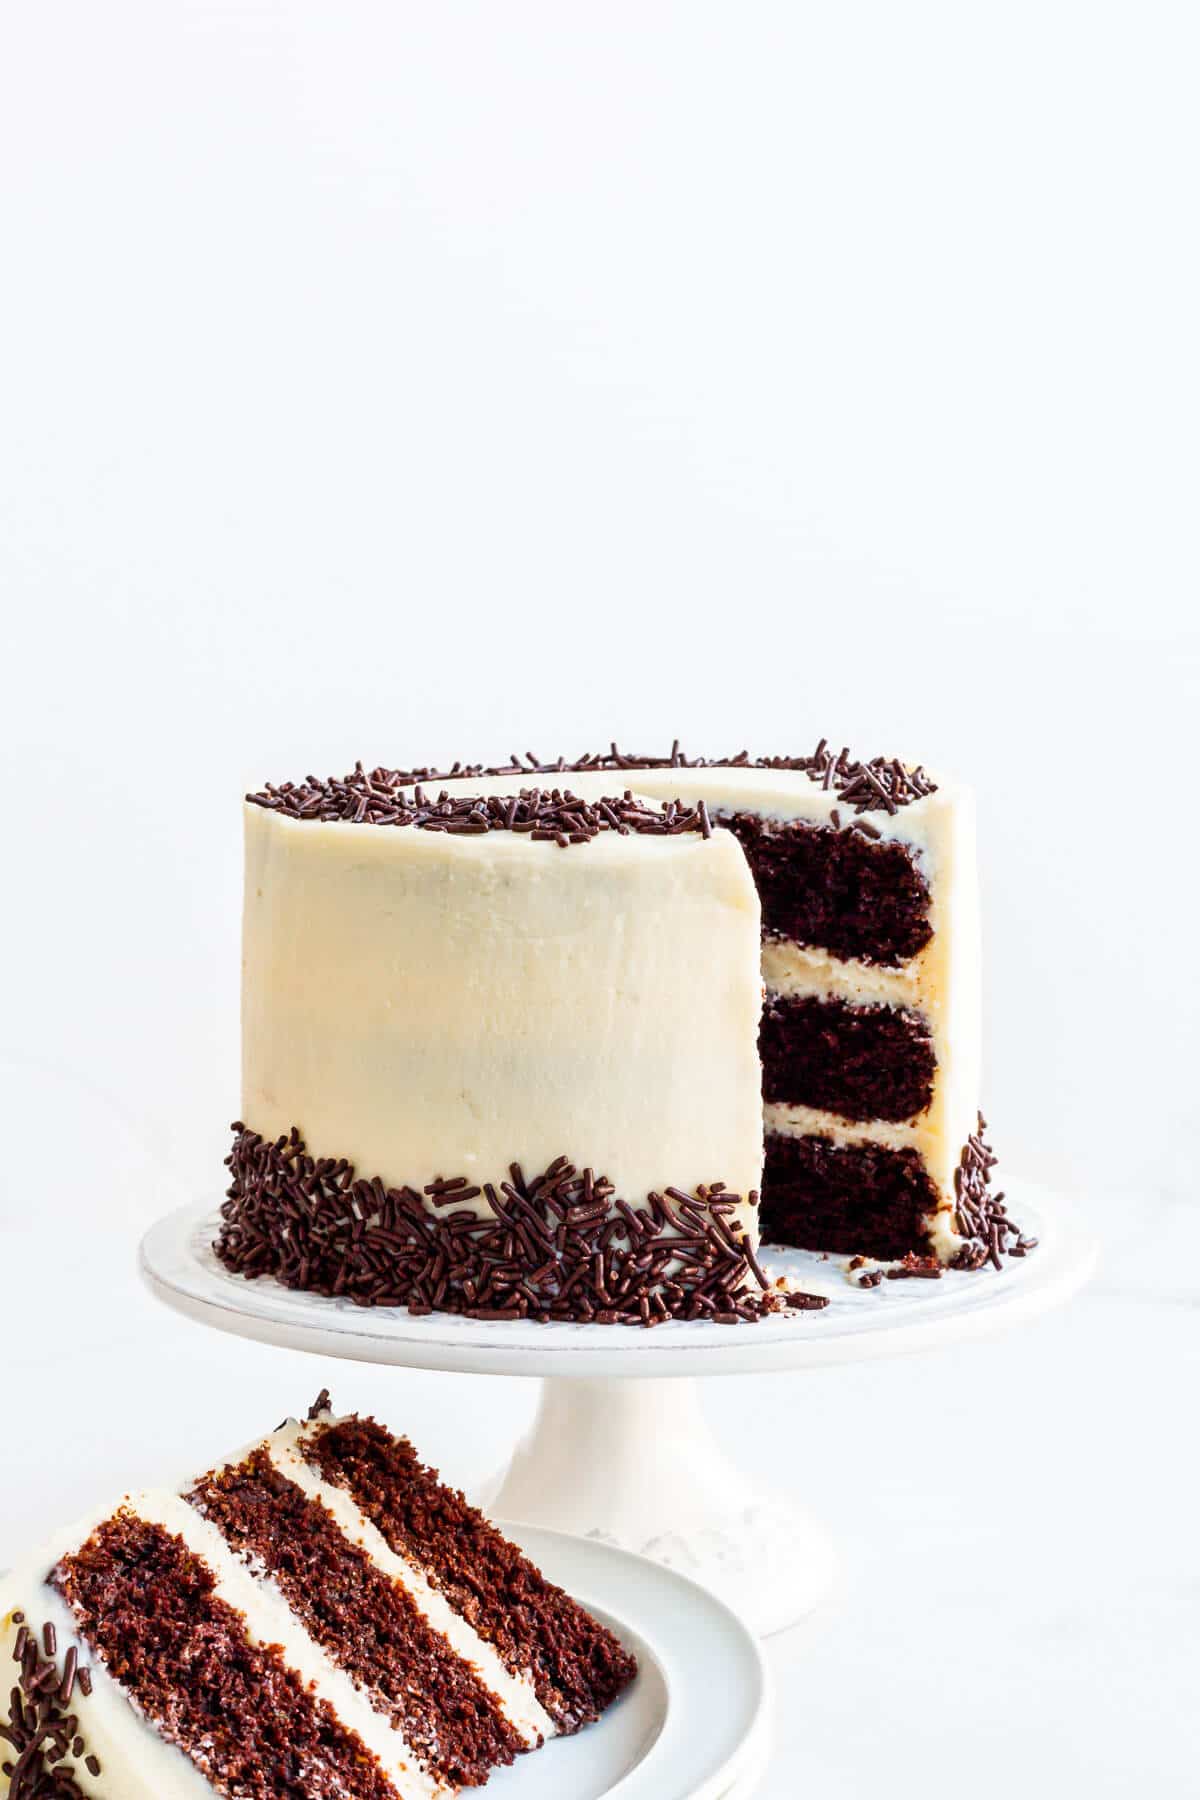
619	1449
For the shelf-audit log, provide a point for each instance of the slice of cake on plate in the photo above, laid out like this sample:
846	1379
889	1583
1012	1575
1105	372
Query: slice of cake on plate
317	1616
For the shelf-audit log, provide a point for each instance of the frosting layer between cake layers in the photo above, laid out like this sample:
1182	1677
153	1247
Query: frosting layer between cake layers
318	1615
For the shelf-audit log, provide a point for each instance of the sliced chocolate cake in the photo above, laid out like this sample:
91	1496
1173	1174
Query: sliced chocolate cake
506	1052
318	1616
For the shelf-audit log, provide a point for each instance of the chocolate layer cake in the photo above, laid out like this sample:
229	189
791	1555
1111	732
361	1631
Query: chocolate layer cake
506	1052
317	1616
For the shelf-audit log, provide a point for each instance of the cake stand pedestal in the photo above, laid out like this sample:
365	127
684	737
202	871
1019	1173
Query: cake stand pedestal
636	1464
619	1449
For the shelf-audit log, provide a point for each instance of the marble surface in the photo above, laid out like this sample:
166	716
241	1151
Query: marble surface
1020	1575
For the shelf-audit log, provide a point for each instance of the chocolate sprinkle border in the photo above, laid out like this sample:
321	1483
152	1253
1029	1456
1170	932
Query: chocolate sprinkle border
557	1248
377	796
561	1246
41	1728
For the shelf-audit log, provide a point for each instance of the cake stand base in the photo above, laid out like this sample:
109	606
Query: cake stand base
636	1464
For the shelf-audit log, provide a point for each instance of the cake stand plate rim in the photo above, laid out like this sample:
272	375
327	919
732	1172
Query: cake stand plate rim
899	1317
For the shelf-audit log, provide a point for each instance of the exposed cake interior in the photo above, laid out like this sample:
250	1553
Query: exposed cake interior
861	1061
149	1610
576	1666
848	892
861	1199
368	1624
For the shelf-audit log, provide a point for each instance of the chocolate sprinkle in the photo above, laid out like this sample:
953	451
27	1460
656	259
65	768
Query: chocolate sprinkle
981	1216
559	1246
379	797
547	815
41	1728
915	1268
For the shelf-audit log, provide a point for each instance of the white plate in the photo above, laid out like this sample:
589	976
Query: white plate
178	1263
747	1784
694	1723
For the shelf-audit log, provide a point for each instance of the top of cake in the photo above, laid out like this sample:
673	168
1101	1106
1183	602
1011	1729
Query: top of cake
378	797
551	815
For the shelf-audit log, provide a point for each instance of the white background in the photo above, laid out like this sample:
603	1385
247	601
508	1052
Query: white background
406	382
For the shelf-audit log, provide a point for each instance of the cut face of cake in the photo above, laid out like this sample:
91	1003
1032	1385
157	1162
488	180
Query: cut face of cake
531	1042
318	1616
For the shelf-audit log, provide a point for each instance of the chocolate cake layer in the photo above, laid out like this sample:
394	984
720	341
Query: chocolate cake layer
857	1199
839	890
367	1624
147	1605
861	1062
576	1666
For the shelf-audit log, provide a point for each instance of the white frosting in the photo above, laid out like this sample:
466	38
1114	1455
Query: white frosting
949	993
791	969
425	1004
807	1121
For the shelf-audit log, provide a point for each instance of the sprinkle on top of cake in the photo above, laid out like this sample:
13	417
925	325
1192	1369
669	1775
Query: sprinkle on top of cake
377	796
552	815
